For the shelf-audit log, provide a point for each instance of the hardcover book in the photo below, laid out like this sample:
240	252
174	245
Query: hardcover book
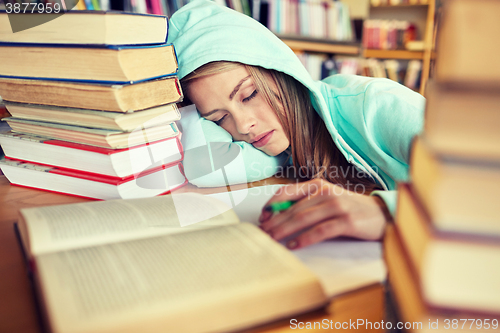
413	309
151	182
169	258
104	161
110	64
467	47
461	195
463	122
93	136
456	271
106	97
85	27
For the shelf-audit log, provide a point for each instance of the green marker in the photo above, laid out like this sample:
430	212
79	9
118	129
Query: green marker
276	207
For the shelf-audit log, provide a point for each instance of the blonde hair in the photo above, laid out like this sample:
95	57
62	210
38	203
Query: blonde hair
314	148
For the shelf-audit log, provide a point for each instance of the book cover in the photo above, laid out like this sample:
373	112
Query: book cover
106	97
84	63
101	27
119	163
160	180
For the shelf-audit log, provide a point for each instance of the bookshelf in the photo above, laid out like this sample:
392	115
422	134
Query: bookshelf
393	54
414	5
305	44
323	48
422	14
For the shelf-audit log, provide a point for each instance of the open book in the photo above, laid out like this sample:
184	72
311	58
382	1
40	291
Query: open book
176	263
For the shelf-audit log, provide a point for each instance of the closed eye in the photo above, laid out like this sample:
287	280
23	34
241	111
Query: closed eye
218	122
252	95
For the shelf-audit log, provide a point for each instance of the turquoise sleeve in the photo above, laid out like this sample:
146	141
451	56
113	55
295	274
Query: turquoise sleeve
212	158
394	114
399	118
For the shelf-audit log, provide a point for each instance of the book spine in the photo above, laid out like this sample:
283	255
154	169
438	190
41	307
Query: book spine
88	4
96	4
105	82
105	179
154	7
106	151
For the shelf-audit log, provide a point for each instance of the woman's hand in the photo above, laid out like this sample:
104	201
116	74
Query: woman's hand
322	211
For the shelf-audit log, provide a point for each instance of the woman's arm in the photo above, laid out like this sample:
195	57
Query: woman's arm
390	117
323	211
212	158
393	115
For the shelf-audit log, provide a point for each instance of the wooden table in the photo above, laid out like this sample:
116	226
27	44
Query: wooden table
17	305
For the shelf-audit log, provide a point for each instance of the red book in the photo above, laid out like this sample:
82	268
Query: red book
155	181
104	161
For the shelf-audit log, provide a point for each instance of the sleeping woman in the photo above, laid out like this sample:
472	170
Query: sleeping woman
253	96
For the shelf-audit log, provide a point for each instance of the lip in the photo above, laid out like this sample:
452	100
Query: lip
262	139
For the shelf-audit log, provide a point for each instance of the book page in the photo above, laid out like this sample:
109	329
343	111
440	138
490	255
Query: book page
55	228
342	265
171	276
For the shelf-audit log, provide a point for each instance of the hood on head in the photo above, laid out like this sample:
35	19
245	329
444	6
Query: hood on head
203	32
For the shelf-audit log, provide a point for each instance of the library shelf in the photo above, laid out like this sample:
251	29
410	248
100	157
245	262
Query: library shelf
307	44
400	5
393	54
427	9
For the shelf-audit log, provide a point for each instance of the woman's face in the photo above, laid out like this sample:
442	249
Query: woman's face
231	100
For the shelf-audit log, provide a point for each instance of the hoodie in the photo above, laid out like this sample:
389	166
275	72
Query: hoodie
372	121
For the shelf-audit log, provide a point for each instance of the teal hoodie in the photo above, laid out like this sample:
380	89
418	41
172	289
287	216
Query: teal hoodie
372	121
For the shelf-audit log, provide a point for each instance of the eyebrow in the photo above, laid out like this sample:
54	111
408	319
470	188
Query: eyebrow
235	90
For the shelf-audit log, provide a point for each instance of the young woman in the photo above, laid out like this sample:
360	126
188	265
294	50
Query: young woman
351	135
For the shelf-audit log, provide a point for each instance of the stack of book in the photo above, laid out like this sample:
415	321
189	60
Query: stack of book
443	251
92	97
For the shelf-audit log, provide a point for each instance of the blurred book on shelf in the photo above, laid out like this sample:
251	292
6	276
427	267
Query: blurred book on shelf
404	72
313	18
388	34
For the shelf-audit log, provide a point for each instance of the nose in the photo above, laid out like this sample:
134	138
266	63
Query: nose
244	121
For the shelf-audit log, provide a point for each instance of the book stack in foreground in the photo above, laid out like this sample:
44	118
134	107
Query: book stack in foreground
443	252
92	97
